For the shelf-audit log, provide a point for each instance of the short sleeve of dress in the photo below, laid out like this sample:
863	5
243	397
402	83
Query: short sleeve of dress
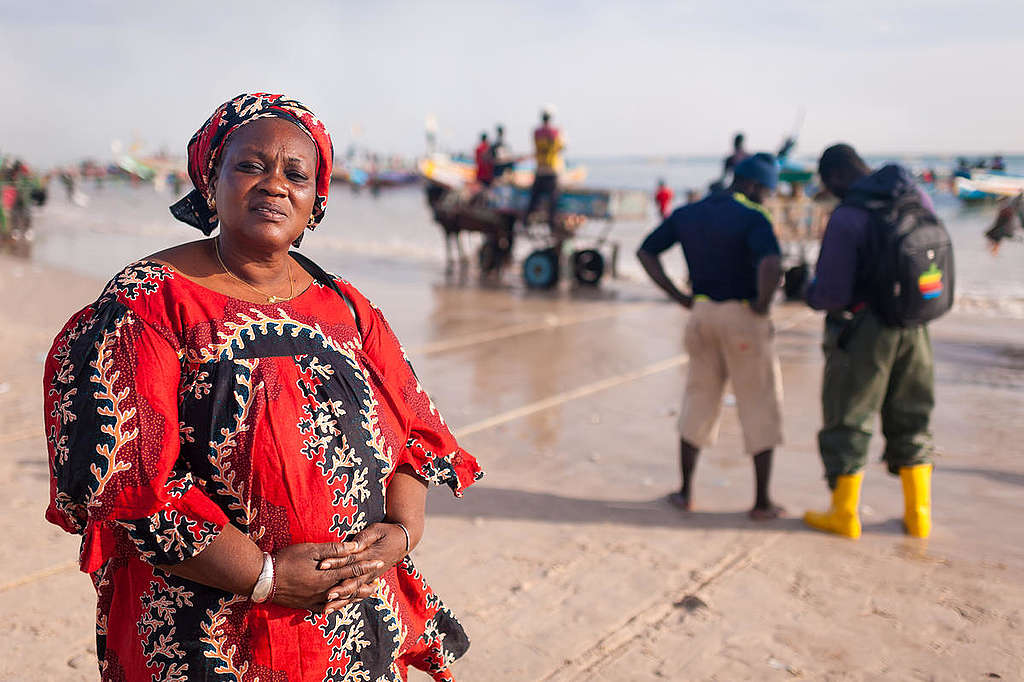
111	411
431	448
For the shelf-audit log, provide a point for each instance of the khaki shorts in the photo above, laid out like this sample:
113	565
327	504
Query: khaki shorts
728	341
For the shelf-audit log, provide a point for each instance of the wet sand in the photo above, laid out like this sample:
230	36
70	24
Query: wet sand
564	563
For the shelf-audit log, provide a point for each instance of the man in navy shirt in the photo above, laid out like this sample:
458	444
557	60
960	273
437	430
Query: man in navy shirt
735	266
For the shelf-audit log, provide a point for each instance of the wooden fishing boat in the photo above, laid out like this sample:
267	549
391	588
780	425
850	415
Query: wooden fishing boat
988	186
792	172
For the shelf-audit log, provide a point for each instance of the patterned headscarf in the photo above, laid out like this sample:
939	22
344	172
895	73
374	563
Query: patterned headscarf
204	149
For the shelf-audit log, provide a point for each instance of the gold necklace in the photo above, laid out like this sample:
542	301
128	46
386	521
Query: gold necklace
270	298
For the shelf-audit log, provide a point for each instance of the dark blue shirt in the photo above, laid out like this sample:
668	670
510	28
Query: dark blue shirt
724	237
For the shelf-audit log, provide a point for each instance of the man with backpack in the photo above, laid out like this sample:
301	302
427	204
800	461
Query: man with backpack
884	271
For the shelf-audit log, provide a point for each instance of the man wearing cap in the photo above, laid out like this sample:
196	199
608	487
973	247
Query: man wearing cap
735	267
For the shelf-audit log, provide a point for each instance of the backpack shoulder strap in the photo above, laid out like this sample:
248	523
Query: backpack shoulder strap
321	276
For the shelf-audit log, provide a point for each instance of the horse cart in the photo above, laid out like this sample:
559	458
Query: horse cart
498	213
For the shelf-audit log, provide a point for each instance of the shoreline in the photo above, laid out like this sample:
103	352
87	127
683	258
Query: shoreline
394	233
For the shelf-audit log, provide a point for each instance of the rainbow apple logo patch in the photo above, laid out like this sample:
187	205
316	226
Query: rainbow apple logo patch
930	283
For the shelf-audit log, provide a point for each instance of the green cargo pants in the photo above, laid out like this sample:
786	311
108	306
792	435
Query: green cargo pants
870	368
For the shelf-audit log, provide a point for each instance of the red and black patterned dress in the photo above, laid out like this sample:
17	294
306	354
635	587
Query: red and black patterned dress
172	410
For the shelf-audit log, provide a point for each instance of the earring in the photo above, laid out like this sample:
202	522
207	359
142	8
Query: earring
211	202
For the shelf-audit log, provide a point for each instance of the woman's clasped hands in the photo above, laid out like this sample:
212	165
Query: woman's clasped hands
330	575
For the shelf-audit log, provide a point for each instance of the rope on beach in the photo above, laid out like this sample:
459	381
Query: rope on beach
38	575
519	329
14	436
582	391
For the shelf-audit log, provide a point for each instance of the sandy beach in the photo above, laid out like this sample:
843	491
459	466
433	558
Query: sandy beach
564	563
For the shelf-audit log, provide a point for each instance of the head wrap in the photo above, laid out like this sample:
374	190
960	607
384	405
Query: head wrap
761	168
204	150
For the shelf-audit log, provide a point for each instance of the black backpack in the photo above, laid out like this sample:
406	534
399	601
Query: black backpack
909	278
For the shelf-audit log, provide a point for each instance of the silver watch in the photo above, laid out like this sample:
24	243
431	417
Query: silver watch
265	583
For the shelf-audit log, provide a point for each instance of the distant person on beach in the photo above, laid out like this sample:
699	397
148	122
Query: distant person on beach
499	153
963	169
68	180
872	366
177	183
548	145
484	162
738	154
735	267
242	444
1009	222
20	189
663	197
997	163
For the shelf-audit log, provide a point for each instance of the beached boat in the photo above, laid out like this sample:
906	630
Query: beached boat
360	177
988	186
792	172
394	178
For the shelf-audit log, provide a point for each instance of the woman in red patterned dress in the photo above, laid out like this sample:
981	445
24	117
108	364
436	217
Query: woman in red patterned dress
241	443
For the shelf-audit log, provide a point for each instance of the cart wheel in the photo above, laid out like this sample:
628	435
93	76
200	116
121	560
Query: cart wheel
540	269
588	266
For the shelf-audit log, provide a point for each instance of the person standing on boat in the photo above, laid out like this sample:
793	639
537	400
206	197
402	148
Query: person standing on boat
499	153
963	169
735	266
788	145
870	367
548	144
663	197
484	162
731	161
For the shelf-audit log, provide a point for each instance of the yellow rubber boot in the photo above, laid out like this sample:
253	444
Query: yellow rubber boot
841	518
917	499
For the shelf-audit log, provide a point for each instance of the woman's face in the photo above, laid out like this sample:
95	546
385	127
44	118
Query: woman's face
266	184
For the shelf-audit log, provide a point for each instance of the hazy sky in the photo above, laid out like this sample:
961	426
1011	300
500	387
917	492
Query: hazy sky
634	77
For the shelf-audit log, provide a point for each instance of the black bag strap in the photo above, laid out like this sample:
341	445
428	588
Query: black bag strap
321	276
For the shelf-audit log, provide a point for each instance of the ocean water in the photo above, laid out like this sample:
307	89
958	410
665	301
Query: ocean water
123	222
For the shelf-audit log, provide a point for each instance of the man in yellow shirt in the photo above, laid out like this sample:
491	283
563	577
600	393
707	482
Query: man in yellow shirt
548	144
